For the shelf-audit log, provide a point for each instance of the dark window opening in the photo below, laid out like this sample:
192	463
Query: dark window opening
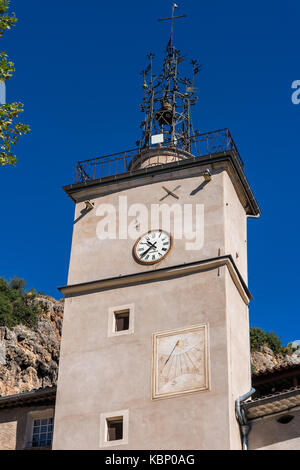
285	419
114	429
122	320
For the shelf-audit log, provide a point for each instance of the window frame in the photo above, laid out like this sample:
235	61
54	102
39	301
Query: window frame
113	415
112	312
31	417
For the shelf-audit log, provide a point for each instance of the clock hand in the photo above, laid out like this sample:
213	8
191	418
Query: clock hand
177	342
145	252
149	243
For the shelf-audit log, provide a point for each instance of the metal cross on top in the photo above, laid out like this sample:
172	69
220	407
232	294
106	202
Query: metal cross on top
167	102
172	18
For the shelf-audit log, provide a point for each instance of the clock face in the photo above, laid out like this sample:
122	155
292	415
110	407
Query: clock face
152	247
180	362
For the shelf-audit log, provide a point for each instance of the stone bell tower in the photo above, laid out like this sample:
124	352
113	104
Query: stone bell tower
155	343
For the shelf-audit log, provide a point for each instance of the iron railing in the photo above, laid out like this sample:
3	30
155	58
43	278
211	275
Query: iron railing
201	145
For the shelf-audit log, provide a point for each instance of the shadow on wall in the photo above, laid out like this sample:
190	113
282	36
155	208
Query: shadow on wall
12	429
269	433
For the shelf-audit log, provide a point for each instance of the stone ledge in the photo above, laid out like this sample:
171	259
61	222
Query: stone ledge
162	273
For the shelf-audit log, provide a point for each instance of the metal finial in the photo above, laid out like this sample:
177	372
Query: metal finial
172	18
167	101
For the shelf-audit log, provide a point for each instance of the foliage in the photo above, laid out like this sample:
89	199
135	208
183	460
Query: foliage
6	21
18	284
5	290
260	338
6	311
16	305
25	312
7	67
10	128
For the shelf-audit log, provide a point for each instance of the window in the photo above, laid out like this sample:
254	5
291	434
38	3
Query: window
114	426
39	428
122	320
42	432
114	429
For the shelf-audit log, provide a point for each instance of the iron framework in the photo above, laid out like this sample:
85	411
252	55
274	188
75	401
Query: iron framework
201	145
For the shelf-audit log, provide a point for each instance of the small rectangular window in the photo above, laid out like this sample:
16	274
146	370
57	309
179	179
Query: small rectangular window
121	320
42	432
114	429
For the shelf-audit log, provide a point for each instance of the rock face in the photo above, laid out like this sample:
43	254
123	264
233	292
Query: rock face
29	356
265	359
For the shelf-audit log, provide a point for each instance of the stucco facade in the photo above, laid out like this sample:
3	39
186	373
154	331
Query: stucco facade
102	373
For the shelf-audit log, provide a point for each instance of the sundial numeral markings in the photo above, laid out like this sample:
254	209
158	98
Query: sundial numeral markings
192	362
178	366
180	360
175	367
183	363
170	372
187	362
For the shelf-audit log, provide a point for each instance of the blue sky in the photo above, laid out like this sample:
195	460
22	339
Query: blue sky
78	74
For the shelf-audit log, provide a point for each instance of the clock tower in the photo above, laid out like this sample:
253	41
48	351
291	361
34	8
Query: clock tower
155	344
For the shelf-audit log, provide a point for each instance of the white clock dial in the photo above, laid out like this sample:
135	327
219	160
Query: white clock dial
152	247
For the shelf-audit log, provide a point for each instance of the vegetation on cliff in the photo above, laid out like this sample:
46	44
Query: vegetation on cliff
29	350
17	307
260	338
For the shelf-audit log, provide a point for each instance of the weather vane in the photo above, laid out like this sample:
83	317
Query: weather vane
172	18
167	101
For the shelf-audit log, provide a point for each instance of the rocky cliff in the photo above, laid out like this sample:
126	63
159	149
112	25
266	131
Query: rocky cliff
29	356
265	360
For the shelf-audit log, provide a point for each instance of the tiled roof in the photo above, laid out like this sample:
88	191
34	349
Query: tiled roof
274	403
40	396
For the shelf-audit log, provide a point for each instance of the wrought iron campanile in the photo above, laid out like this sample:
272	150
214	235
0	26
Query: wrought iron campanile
167	101
167	130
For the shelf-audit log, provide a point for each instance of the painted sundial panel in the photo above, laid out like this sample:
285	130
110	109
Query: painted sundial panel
180	362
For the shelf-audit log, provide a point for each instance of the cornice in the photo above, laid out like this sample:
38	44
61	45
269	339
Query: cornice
80	191
161	274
